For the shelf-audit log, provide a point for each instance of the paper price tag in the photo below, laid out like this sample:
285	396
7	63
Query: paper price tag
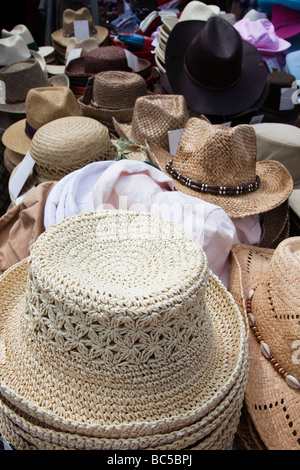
81	29
174	138
16	183
2	92
5	445
286	99
273	65
256	119
74	54
132	61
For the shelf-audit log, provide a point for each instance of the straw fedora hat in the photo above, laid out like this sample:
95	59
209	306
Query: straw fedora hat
43	104
114	93
217	72
153	116
19	78
81	325
61	36
68	143
265	284
218	164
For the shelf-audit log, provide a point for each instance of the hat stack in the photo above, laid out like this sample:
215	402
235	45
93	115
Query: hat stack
60	38
167	25
116	335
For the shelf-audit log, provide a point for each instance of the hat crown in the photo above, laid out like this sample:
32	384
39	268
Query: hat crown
155	115
276	306
69	16
13	49
217	154
21	30
214	57
44	104
118	89
96	298
105	58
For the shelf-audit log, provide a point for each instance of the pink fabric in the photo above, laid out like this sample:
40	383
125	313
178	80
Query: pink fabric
286	21
261	34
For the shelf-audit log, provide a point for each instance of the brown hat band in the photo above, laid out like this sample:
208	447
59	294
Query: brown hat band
210	188
70	34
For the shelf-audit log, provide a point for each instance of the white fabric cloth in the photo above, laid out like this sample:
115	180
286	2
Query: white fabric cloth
138	186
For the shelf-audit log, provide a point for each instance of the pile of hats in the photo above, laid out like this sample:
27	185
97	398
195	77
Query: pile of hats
116	335
60	38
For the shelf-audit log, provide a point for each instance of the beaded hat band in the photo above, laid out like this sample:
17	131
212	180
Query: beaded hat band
210	188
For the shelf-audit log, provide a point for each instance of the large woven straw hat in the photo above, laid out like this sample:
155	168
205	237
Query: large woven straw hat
68	143
116	333
43	104
153	116
19	78
224	159
61	37
272	310
114	94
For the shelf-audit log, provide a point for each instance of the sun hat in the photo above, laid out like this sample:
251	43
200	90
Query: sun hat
261	34
19	78
68	143
280	142
60	38
153	117
43	104
114	93
22	30
196	10
218	164
13	49
286	21
265	285
292	63
211	72
112	350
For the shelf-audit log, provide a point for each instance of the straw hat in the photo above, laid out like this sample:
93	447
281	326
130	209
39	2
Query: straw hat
224	159
153	116
209	64
68	143
113	95
19	78
93	319
272	395
61	37
42	105
13	49
276	225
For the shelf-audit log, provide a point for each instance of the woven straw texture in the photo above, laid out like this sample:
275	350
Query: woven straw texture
153	117
272	405
223	156
114	95
276	224
67	144
122	331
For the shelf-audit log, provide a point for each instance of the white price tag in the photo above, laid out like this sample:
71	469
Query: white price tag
286	99
81	29
73	54
132	61
2	92
16	183
174	138
256	119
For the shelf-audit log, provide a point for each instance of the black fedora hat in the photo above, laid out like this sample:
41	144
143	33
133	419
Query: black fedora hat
217	72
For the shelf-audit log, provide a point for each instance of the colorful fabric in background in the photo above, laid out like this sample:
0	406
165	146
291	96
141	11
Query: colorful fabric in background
266	5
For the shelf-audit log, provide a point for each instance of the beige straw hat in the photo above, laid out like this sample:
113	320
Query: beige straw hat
67	144
19	78
43	104
114	93
273	390
116	329
153	116
218	164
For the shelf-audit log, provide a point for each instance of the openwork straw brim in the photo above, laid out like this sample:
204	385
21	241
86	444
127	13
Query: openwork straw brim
157	310
275	187
272	405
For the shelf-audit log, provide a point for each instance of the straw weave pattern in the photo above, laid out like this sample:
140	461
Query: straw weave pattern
69	143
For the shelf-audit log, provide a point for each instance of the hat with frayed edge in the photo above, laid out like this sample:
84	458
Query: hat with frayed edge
75	326
153	117
43	104
272	311
114	93
19	78
209	63
218	164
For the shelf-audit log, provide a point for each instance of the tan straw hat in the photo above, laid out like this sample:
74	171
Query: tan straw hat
273	311
153	116
43	104
114	93
67	144
115	329
19	78
218	164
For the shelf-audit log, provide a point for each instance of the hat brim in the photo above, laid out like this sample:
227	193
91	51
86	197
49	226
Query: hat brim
276	185
15	138
195	395
20	108
230	101
101	35
268	398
